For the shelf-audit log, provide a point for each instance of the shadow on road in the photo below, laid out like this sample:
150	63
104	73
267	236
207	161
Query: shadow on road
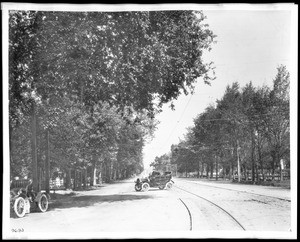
90	200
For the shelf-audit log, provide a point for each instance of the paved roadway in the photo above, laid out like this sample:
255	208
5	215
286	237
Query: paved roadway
116	210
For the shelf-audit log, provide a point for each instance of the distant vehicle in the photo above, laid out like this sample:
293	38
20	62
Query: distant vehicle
22	198
155	179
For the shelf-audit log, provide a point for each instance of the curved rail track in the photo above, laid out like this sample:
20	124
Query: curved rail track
209	201
257	194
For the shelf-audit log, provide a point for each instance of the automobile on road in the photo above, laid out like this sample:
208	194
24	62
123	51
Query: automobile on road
23	198
155	179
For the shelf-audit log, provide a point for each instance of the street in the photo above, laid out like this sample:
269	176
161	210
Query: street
190	206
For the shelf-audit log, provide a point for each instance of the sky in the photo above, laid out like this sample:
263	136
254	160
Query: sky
250	46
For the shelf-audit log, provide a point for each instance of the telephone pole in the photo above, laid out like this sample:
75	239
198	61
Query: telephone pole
238	161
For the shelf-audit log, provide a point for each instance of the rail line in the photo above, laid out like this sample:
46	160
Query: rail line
224	188
222	209
190	215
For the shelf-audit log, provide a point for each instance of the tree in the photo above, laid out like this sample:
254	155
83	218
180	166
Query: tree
248	129
276	119
160	162
133	133
231	108
249	96
125	59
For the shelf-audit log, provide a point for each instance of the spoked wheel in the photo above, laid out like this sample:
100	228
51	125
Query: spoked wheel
138	187
19	207
169	185
145	186
43	203
161	187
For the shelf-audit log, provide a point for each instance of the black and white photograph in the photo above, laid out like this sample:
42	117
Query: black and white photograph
151	121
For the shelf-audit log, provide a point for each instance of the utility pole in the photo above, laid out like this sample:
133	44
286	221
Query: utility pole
185	167
238	161
47	164
217	166
34	165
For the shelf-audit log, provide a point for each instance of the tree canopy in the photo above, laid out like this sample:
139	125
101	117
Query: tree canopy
139	59
248	124
95	80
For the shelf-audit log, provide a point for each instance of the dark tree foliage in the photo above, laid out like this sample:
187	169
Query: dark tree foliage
124	58
63	65
248	126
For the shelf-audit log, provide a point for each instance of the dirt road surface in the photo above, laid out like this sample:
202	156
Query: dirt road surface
192	209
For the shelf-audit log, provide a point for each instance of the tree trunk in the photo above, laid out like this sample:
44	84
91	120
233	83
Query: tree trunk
262	169
68	178
186	168
231	167
252	156
256	172
118	173
100	174
95	176
75	180
85	178
253	170
47	164
93	168
273	166
40	178
207	171
238	162
80	179
202	169
281	166
217	166
198	169
260	161
34	150
111	172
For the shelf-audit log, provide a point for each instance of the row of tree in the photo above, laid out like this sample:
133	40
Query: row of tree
247	133
84	87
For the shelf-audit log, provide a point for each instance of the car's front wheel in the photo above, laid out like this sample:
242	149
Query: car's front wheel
145	186
169	185
19	207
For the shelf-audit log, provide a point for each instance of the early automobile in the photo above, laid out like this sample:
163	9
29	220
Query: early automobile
23	198
155	179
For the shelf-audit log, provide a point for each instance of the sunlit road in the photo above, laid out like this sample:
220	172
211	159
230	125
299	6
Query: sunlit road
188	206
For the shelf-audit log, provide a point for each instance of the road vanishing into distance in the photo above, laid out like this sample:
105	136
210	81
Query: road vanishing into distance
191	205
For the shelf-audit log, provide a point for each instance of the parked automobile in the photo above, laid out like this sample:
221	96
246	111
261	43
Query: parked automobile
23	198
155	179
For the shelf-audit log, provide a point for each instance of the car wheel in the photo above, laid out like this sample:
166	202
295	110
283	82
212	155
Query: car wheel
145	186
19	207
43	203
138	187
169	185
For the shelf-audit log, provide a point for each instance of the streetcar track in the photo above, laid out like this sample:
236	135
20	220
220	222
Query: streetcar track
279	198
190	215
222	209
